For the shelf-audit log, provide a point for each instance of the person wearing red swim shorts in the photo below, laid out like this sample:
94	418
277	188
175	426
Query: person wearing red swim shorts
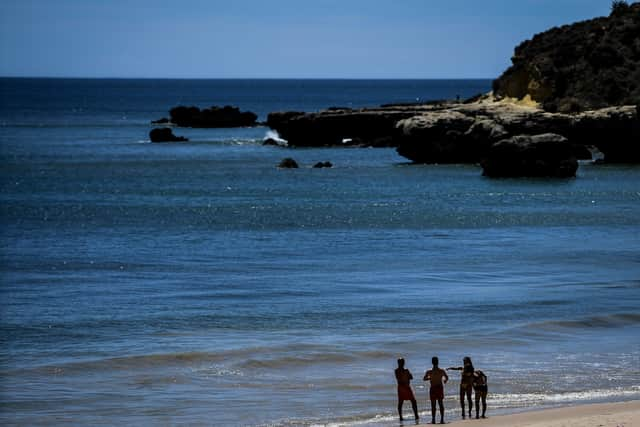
438	378
404	377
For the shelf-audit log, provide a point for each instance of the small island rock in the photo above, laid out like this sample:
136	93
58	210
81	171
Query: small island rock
165	135
288	163
214	117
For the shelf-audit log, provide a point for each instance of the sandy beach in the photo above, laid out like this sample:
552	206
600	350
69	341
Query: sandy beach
624	414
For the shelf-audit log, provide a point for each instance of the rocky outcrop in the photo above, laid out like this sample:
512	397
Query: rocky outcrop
373	127
438	137
214	117
614	131
587	65
545	155
165	135
580	82
463	133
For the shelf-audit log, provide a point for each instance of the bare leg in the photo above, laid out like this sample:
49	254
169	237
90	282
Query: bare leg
433	412
477	405
400	408
469	401
462	402
441	403
484	404
414	405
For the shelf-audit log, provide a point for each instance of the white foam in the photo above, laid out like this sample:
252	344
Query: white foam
377	420
272	134
510	400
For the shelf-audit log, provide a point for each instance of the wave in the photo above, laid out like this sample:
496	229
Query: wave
311	355
514	400
499	403
303	360
220	363
275	136
199	141
606	321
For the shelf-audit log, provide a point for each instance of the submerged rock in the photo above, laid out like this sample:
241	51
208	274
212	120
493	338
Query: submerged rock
270	141
320	165
165	135
288	163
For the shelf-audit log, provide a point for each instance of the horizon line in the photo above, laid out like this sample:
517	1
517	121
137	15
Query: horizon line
240	78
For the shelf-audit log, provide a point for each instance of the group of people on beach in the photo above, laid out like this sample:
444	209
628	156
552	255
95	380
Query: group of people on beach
471	380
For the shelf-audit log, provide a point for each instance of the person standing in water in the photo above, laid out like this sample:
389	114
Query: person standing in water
466	383
481	388
438	378
404	377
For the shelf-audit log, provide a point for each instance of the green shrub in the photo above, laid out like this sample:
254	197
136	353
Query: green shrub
619	7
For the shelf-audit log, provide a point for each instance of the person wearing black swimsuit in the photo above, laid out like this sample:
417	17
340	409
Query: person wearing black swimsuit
481	388
466	383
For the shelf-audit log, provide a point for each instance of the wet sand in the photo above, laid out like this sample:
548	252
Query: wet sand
624	414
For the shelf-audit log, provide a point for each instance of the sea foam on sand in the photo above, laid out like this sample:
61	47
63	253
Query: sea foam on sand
624	414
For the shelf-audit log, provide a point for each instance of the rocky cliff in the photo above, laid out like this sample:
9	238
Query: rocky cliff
587	65
584	79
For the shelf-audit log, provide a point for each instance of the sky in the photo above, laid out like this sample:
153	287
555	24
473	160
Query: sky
274	38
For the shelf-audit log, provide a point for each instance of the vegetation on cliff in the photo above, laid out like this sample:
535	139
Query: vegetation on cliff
586	65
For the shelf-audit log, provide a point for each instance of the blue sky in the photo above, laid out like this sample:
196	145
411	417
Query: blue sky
274	39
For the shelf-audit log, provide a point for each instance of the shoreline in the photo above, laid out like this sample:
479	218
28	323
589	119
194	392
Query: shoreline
615	414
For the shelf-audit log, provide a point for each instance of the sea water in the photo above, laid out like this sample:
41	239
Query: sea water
196	283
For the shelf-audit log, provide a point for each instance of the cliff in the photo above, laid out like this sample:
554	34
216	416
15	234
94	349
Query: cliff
583	66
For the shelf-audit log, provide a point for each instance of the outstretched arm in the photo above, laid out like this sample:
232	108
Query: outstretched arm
455	368
427	376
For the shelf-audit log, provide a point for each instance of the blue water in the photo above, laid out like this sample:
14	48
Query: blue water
197	283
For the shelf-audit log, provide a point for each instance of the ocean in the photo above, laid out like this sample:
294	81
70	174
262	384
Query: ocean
198	284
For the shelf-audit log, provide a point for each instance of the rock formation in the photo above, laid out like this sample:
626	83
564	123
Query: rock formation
463	133
165	135
339	127
545	155
586	65
214	117
579	81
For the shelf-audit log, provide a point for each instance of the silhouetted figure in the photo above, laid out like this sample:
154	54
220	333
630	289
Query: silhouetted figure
482	389
466	383
438	378
404	377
